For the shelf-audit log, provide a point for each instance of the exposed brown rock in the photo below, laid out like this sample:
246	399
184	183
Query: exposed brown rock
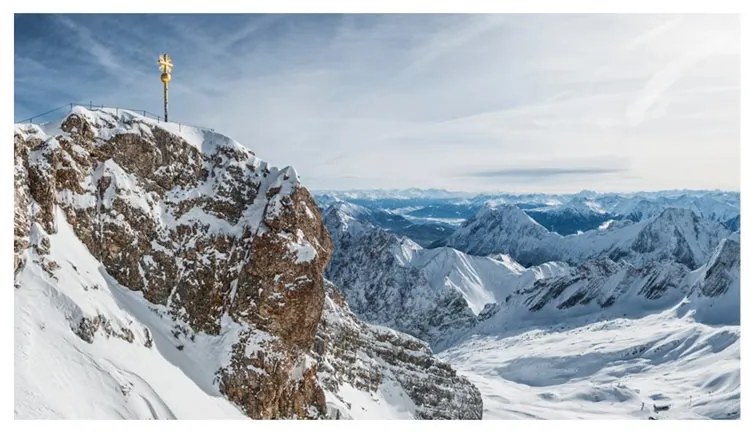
88	327
212	234
120	194
22	218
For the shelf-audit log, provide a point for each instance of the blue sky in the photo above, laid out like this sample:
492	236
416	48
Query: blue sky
525	103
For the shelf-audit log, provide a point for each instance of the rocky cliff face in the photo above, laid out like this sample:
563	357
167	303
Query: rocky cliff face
384	363
202	228
392	281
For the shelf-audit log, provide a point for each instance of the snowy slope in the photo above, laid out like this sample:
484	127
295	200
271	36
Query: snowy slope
134	367
606	370
60	375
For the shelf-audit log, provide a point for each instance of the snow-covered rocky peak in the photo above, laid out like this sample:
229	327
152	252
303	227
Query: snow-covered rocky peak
722	267
504	229
220	250
714	205
373	267
677	216
343	216
196	223
633	270
680	235
506	216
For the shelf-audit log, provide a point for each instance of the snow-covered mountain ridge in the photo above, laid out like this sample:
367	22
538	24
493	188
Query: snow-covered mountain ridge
170	273
676	234
442	293
630	322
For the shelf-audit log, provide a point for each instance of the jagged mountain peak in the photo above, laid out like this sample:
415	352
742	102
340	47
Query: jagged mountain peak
716	286
504	229
342	216
676	234
102	124
679	234
678	215
347	211
506	215
162	234
196	223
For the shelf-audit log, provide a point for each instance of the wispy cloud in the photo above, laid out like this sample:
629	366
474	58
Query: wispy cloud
545	172
98	52
411	100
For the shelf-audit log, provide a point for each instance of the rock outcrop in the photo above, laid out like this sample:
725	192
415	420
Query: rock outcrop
369	358
199	225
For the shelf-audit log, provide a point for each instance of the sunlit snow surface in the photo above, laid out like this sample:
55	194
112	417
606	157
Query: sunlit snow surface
58	375
606	370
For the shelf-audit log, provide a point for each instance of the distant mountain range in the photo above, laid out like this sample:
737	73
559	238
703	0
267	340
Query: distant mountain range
432	215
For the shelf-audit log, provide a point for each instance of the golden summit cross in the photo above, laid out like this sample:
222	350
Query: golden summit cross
165	65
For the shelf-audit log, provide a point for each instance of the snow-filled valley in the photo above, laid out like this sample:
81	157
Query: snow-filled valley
612	369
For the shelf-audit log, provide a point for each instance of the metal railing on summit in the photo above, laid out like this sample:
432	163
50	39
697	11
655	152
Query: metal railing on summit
92	106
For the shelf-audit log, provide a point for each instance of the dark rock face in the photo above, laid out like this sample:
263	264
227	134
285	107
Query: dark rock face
733	224
202	227
21	217
672	228
602	282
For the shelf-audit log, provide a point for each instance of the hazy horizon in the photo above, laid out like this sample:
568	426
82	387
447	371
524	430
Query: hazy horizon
502	192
